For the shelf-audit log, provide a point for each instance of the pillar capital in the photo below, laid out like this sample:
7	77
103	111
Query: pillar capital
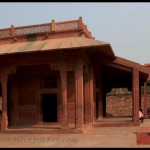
4	77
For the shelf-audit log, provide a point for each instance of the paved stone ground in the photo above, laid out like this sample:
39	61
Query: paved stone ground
100	137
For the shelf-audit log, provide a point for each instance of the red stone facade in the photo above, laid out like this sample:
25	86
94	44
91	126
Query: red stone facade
58	74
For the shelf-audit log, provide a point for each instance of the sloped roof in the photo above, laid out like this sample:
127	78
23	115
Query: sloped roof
56	44
131	64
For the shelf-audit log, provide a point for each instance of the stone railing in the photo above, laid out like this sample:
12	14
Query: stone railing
67	25
5	32
33	29
44	28
84	27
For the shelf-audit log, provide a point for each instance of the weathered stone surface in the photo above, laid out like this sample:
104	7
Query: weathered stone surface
143	135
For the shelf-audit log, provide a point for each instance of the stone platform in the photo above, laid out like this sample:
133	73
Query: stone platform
143	132
98	137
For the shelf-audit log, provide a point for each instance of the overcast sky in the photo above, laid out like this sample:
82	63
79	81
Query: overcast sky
126	26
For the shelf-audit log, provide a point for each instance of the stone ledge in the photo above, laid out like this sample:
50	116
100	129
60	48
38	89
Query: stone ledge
143	135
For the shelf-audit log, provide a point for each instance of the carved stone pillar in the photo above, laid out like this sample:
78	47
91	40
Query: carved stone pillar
100	97
140	97
135	94
63	76
87	103
91	94
79	93
145	99
4	122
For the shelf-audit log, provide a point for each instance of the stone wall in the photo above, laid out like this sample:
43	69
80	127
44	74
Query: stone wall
121	105
119	102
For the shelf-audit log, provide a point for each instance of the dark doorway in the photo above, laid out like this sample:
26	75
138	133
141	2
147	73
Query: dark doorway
49	107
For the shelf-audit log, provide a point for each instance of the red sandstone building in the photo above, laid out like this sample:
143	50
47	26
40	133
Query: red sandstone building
56	77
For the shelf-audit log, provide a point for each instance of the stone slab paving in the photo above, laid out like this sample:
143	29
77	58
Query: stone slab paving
100	137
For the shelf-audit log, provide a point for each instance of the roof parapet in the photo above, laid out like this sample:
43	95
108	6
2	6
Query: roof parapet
44	28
